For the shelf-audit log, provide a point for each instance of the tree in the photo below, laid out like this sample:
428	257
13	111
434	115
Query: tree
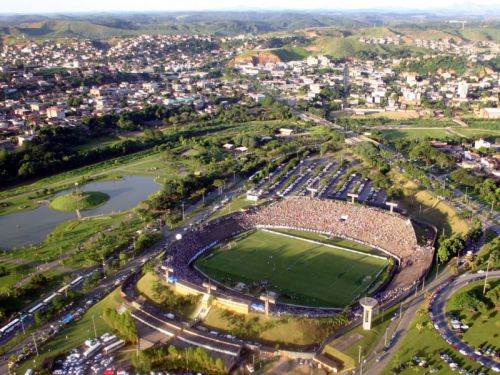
450	247
468	301
218	183
494	295
419	326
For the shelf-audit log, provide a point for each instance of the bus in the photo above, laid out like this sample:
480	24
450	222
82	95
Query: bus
92	350
50	298
114	346
8	328
76	281
35	308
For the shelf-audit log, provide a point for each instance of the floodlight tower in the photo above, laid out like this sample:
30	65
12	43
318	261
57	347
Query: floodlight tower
267	300
209	287
392	206
167	269
353	196
368	305
312	191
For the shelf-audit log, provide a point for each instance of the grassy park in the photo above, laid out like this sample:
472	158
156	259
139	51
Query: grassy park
436	133
12	273
79	200
484	325
299	271
424	341
273	330
425	206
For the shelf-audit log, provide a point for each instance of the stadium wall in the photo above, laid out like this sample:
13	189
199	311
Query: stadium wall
238	307
184	289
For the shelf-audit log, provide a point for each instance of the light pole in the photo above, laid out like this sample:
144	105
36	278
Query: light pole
36	346
22	323
486	277
93	322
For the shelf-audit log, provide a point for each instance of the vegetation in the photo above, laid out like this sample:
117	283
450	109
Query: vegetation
162	295
424	341
122	323
171	358
478	311
429	66
280	332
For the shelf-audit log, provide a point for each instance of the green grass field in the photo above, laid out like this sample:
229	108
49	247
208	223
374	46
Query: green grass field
394	134
13	273
437	133
299	271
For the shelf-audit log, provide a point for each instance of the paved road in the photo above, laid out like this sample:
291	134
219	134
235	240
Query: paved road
438	316
403	326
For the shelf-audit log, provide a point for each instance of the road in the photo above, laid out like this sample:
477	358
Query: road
438	311
404	324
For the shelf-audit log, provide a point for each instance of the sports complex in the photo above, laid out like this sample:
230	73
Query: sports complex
301	256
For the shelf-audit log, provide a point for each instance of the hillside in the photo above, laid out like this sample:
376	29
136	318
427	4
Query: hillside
276	55
348	47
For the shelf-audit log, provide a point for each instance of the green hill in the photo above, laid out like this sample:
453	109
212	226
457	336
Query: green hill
286	54
82	200
351	46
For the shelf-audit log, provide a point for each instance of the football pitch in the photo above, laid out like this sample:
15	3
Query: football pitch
301	272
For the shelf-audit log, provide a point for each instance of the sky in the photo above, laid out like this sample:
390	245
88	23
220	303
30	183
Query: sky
70	6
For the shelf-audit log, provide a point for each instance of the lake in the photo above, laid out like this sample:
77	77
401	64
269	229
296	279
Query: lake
33	226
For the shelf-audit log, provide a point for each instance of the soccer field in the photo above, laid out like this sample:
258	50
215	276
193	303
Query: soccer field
301	272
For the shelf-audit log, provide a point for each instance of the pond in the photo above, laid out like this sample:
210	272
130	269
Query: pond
32	227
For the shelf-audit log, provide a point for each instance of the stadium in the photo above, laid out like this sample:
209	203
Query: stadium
299	256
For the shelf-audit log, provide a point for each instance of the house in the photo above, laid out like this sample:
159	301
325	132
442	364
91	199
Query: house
253	195
286	132
491	113
241	149
468	164
228	146
482	143
257	97
55	112
23	138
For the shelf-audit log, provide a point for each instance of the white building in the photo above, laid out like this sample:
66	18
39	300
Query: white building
462	90
481	143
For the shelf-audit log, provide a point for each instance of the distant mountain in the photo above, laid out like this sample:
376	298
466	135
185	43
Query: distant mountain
105	26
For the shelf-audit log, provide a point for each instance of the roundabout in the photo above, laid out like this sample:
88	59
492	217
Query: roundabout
437	311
